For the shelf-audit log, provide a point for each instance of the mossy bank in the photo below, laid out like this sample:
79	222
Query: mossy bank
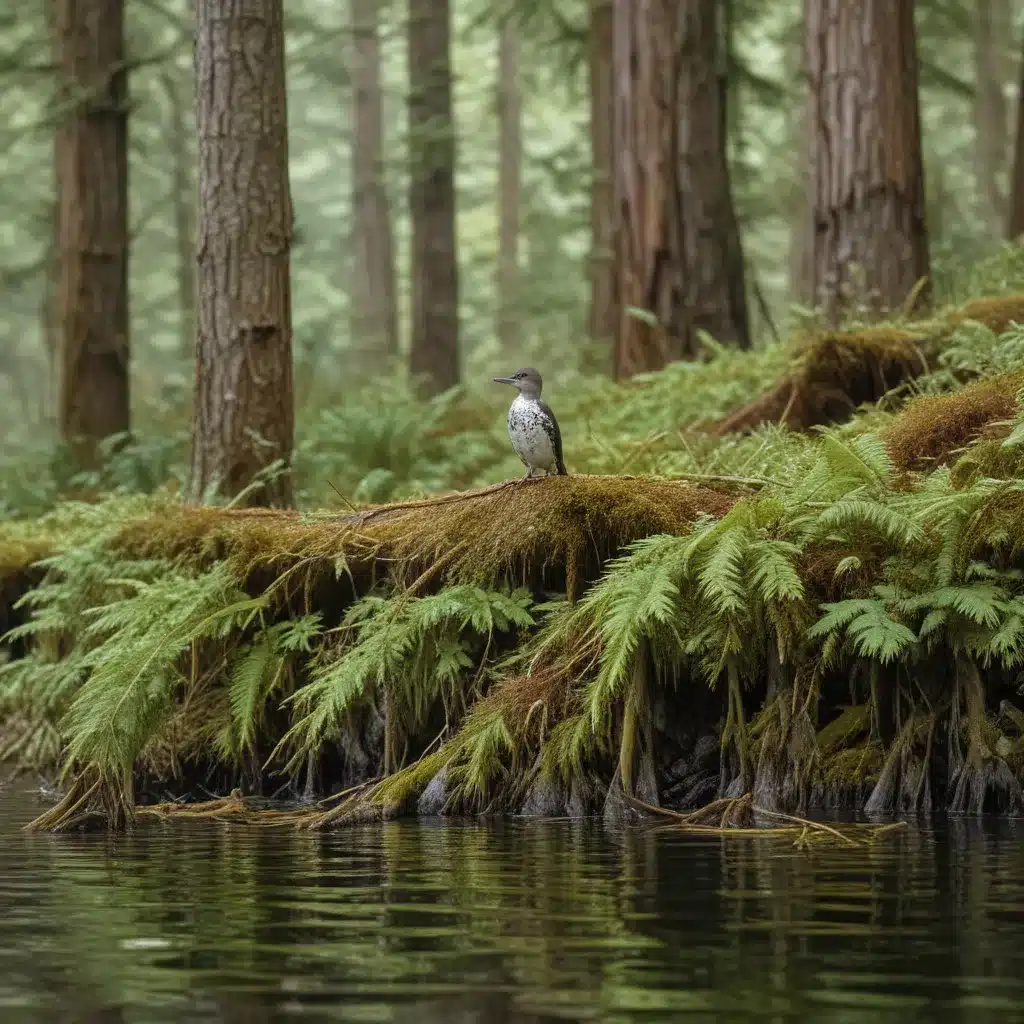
826	617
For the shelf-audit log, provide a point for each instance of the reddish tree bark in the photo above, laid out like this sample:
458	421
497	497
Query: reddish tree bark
244	417
679	263
603	320
870	240
92	225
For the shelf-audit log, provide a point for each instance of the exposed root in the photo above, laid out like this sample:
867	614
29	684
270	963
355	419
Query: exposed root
735	816
93	800
979	779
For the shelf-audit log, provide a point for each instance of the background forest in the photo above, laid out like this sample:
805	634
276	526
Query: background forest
523	81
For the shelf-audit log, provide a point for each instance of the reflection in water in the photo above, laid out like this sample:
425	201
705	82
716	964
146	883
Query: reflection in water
515	922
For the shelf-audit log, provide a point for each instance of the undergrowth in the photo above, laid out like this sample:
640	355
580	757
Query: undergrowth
832	614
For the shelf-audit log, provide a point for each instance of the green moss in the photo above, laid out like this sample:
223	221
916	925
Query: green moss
852	767
997	313
686	598
850	723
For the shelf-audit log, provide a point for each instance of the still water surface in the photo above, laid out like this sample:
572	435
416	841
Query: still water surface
518	922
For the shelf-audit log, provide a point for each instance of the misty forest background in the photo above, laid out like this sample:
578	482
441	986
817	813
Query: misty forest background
524	81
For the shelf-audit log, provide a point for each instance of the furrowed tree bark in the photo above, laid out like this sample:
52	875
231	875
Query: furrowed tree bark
510	183
244	416
679	262
434	349
870	239
92	224
603	319
1015	220
374	309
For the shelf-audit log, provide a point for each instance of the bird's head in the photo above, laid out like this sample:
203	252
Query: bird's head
527	381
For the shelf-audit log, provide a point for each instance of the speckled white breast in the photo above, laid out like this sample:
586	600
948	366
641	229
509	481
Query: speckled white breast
529	438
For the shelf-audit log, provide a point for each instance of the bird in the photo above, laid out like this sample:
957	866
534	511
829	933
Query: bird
532	426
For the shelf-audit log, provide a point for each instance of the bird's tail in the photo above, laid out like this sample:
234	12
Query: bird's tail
562	471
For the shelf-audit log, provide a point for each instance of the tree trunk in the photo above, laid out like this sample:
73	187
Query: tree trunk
244	416
648	229
374	309
870	239
49	309
509	187
603	324
801	271
434	349
184	199
1015	221
92	221
992	26
715	296
679	263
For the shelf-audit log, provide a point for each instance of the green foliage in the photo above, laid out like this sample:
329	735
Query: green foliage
822	559
418	647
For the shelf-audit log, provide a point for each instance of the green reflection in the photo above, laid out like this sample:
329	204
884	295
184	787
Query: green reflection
415	921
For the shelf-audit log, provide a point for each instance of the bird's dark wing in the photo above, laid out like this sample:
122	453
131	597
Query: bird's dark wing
551	429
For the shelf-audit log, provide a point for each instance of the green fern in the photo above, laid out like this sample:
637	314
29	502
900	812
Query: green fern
422	644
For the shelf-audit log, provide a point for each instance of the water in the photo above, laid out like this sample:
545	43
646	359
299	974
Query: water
518	922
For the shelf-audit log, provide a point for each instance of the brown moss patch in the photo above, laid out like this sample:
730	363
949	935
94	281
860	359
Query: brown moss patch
558	531
930	431
818	566
836	373
541	696
996	313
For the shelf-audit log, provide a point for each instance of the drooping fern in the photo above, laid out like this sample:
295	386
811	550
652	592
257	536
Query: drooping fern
418	646
132	668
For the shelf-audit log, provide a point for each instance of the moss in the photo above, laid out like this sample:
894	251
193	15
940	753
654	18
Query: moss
852	767
851	722
835	373
996	313
558	531
930	431
819	565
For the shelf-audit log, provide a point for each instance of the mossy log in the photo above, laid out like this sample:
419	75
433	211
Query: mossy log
835	372
554	533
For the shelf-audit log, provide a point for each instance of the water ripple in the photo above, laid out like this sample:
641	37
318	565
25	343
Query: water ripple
506	923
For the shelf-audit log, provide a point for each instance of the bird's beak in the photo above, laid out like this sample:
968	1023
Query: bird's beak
504	380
